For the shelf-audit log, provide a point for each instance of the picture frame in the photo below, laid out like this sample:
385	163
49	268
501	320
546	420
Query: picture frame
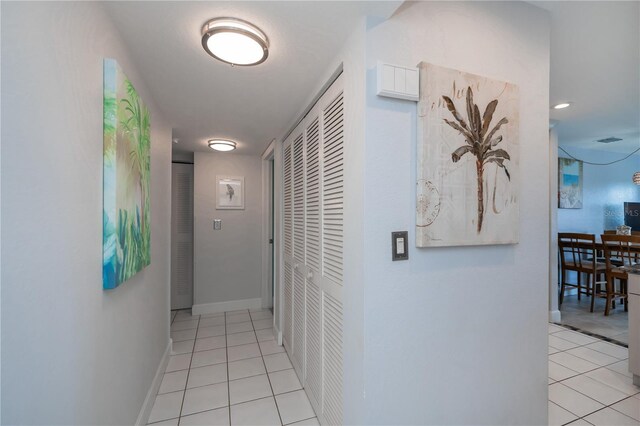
230	192
468	167
569	183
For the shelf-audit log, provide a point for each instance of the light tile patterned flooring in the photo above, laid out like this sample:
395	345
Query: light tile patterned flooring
589	381
227	369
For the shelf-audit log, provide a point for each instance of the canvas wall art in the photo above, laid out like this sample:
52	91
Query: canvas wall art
569	183
468	167
230	192
126	225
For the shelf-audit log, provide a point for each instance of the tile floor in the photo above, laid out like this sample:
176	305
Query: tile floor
227	369
589	381
576	313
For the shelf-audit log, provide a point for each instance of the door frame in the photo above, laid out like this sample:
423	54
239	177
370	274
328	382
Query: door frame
267	219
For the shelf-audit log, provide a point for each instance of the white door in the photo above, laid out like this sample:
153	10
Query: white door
181	236
313	170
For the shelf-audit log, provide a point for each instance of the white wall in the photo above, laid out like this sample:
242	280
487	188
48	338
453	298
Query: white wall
71	352
456	335
604	191
228	262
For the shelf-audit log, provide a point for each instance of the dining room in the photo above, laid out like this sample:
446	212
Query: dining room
598	222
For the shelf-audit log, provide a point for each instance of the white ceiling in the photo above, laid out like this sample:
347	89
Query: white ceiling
203	98
595	63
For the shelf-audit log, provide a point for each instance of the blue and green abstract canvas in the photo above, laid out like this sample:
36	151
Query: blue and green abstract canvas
126	225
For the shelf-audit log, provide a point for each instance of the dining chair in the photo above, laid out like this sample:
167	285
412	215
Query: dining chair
626	250
578	253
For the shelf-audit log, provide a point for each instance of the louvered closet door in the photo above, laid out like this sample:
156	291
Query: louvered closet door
313	301
332	260
298	256
288	246
313	266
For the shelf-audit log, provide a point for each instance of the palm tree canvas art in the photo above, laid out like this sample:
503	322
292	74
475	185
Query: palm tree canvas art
467	186
126	225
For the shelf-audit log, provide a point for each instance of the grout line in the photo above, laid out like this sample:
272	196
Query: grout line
227	352
304	420
188	373
268	378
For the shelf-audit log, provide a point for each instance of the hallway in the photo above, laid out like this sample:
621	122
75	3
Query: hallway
232	368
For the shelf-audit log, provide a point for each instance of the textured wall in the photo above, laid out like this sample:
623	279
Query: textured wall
71	352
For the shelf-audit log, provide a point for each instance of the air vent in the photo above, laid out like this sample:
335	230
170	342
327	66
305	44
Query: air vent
609	140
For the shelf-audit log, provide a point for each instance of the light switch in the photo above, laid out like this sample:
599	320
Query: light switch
217	224
388	77
399	245
397	81
411	83
400	78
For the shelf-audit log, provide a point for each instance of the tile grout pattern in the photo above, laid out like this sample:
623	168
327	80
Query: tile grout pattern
227	369
576	313
589	381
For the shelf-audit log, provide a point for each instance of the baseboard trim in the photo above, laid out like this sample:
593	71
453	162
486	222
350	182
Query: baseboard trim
230	305
145	411
278	334
554	316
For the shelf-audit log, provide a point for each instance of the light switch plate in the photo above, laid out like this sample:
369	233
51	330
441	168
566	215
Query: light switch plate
217	224
397	81
400	245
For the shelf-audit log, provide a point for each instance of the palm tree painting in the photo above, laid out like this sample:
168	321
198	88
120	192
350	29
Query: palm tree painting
467	177
126	178
479	141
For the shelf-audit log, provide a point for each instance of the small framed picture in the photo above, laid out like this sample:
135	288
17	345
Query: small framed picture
230	193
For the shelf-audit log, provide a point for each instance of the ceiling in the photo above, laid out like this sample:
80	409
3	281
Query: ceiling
203	98
595	64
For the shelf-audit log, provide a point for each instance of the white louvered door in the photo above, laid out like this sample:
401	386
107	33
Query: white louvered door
313	262
288	246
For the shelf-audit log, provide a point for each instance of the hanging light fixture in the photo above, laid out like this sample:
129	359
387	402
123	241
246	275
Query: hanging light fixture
222	145
235	41
636	178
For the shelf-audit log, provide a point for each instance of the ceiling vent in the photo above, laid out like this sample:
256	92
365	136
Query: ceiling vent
609	140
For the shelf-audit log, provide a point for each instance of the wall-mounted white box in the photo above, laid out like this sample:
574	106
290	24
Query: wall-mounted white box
395	81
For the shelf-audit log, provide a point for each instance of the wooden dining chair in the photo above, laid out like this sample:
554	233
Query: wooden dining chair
625	249
578	253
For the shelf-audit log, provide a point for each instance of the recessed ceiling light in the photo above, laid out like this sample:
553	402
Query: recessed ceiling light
222	145
235	41
562	105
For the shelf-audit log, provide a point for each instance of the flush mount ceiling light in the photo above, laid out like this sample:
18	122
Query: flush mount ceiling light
222	145
235	41
562	105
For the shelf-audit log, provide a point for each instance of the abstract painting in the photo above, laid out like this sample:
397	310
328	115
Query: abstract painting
569	183
468	165
126	225
230	192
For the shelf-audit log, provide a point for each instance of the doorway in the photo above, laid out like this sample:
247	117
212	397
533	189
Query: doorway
268	206
181	235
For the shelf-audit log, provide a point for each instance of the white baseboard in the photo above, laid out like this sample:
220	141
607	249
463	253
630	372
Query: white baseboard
145	411
230	305
554	316
278	334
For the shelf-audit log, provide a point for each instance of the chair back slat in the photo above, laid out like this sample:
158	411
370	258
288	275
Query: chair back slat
577	251
624	248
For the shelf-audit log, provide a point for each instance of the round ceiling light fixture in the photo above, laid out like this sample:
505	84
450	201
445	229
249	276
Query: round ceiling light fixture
222	145
636	178
562	105
235	41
